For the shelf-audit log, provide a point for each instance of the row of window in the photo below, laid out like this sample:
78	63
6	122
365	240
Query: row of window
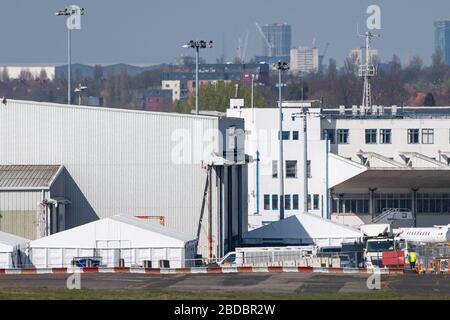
290	202
385	136
271	202
426	203
290	168
341	136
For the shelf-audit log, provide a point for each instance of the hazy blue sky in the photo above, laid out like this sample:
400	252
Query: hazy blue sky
152	31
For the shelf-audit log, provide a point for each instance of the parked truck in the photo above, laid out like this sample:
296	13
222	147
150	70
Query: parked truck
375	247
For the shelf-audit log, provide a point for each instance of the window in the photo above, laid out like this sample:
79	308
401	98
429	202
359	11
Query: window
266	202
371	136
385	136
291	168
286	135
357	203
295	201
274	169
308	168
316	202
413	136
433	202
294	135
287	202
342	135
309	202
274	202
427	136
329	134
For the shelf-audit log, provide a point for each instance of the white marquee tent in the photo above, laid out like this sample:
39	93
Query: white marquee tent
10	250
112	239
302	229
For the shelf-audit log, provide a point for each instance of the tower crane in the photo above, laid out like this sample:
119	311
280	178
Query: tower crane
269	45
242	48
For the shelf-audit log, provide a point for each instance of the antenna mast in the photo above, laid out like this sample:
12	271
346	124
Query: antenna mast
367	71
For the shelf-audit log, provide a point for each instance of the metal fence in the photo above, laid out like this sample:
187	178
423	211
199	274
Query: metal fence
429	258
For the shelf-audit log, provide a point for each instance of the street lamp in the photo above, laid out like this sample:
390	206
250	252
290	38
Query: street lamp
281	66
197	45
80	89
73	14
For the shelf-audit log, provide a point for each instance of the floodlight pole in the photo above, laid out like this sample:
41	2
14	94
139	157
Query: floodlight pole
197	45
69	64
281	157
197	49
68	12
281	66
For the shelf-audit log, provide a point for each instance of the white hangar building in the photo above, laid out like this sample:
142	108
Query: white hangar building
188	172
112	239
393	159
12	250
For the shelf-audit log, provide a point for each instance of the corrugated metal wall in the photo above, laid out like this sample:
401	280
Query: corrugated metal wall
116	160
18	212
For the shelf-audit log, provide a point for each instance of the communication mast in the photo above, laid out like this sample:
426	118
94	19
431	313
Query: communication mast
367	71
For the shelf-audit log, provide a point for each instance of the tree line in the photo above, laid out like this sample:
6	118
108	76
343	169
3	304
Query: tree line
411	83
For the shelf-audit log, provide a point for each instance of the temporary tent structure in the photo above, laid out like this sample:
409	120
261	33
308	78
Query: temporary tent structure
11	247
302	229
113	239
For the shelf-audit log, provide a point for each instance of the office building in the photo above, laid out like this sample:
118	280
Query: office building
392	159
305	60
442	39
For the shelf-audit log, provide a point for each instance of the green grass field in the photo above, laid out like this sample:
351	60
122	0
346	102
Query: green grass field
85	294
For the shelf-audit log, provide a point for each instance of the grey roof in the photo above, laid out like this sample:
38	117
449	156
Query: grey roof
28	176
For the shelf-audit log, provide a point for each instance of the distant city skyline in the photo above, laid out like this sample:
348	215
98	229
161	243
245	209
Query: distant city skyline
144	33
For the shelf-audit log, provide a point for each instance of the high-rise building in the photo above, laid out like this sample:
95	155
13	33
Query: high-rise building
279	36
305	60
442	39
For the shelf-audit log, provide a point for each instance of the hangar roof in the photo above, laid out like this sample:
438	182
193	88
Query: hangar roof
9	241
28	176
398	178
303	228
119	231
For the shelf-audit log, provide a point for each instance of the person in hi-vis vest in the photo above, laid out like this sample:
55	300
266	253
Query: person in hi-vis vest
412	258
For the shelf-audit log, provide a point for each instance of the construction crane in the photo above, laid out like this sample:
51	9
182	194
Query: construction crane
242	48
322	56
269	45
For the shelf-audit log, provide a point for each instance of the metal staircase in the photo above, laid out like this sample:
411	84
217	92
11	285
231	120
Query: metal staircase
396	217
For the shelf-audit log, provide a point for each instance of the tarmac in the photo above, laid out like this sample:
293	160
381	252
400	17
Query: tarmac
242	282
